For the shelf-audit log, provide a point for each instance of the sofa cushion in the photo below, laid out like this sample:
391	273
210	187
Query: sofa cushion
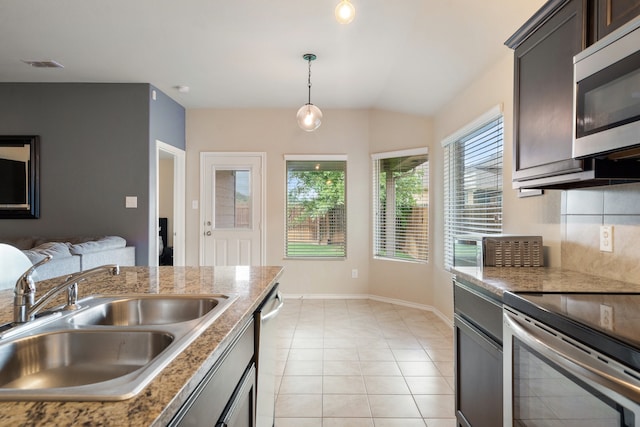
99	244
55	249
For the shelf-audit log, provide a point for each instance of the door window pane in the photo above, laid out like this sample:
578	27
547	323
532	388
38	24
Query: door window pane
232	199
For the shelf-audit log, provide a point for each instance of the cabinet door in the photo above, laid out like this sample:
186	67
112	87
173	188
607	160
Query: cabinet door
612	14
543	101
240	412
478	377
210	401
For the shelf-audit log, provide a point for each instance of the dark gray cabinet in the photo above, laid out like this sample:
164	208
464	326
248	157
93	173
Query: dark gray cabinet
478	356
543	92
610	15
226	396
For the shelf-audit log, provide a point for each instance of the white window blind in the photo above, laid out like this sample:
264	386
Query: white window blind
401	205
316	223
473	184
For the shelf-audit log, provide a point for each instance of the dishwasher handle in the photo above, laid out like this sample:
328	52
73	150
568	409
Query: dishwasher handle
273	313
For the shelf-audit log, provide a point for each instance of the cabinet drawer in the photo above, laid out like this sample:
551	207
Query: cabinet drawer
208	401
480	310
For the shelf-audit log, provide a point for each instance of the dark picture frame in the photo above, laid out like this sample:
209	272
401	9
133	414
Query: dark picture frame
19	177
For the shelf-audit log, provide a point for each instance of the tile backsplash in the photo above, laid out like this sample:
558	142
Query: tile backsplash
583	212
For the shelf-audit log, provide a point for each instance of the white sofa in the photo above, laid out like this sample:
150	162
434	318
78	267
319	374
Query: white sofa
70	255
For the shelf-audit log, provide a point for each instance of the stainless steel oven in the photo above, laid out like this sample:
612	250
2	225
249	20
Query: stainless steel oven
607	94
555	376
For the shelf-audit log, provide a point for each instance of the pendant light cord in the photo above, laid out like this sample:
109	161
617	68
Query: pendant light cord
309	82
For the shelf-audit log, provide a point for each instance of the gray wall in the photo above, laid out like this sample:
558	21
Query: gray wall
95	145
166	124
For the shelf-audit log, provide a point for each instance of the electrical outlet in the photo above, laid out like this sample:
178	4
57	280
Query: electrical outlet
606	238
354	273
606	317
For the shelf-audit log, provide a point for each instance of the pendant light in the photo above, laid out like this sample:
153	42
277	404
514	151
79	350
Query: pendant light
309	116
345	12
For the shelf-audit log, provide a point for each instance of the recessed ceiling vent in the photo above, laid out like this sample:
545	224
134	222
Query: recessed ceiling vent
44	64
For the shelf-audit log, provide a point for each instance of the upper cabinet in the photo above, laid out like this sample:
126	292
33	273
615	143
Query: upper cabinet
612	14
543	103
543	93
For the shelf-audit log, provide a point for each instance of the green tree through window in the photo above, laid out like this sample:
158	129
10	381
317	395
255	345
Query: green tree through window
401	209
316	214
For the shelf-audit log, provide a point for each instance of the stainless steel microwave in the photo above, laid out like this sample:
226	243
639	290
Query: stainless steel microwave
497	250
607	94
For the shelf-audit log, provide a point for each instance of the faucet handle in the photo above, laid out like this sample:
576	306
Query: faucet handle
24	293
25	282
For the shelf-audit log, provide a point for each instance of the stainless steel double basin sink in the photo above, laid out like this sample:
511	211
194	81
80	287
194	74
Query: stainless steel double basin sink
108	349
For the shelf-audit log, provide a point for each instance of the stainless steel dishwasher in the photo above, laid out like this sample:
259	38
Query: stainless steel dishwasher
266	336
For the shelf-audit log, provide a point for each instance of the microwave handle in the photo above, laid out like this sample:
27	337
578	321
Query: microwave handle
578	363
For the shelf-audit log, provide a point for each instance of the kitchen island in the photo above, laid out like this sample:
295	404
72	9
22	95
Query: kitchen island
157	404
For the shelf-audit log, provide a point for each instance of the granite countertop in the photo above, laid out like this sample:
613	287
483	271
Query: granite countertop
160	400
497	280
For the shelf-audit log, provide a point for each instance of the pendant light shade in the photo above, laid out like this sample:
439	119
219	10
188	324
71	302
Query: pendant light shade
345	12
309	116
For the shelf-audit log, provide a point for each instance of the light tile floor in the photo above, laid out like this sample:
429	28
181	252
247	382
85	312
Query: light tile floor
363	363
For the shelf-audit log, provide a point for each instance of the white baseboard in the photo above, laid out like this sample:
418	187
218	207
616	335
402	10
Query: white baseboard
394	301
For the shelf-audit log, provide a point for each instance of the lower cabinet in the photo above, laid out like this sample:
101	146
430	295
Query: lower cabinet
478	358
226	397
240	411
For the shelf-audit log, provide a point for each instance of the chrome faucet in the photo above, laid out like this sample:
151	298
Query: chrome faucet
24	307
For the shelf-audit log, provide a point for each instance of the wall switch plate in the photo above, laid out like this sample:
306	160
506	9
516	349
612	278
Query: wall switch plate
354	273
194	204
606	238
131	202
606	317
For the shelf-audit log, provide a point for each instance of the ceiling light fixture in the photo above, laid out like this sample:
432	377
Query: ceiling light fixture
309	116
345	12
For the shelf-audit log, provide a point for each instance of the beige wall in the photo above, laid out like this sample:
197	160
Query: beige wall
359	133
276	133
529	216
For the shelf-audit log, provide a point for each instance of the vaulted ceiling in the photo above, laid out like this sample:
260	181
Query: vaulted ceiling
401	55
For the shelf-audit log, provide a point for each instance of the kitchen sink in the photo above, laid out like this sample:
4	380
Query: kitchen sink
108	349
146	310
75	358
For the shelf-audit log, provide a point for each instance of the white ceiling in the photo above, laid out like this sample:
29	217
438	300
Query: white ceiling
400	55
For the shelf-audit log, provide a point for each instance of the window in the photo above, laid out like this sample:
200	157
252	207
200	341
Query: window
233	199
401	205
473	181
316	207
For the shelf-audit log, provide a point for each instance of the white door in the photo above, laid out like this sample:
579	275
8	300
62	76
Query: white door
232	209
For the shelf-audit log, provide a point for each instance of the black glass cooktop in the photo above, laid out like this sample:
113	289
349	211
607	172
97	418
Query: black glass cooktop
607	322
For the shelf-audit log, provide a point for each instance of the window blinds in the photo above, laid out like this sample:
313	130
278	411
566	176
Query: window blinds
316	223
401	206
473	184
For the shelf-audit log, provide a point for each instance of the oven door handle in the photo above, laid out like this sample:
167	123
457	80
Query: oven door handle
604	379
